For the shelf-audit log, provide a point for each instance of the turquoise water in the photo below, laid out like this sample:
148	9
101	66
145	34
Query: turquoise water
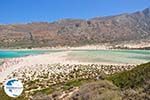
13	54
104	56
112	56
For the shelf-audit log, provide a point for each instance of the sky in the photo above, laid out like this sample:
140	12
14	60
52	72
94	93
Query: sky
26	11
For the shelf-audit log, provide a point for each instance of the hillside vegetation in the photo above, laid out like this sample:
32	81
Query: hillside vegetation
137	77
135	84
127	85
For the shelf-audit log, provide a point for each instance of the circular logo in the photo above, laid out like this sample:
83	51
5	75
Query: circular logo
13	87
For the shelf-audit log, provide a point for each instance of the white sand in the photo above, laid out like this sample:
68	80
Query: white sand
44	59
86	47
33	60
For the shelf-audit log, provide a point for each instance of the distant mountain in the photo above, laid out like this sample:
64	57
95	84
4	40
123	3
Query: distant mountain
74	32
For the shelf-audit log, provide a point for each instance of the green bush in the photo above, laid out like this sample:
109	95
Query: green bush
138	76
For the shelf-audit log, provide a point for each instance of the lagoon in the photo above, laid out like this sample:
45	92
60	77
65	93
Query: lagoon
21	53
112	56
90	56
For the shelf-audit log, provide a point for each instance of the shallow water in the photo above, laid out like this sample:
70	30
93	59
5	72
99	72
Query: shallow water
112	56
13	54
96	56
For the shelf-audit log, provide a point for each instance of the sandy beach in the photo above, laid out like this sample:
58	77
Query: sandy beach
13	64
86	47
7	68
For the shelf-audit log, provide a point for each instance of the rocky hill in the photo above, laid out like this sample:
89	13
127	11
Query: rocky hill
133	27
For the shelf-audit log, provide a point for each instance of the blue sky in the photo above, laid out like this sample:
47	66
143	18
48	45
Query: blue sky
24	11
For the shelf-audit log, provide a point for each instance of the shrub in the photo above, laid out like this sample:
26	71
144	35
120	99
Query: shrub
138	76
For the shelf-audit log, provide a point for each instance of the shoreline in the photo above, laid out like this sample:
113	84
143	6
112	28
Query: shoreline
13	64
90	47
49	58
